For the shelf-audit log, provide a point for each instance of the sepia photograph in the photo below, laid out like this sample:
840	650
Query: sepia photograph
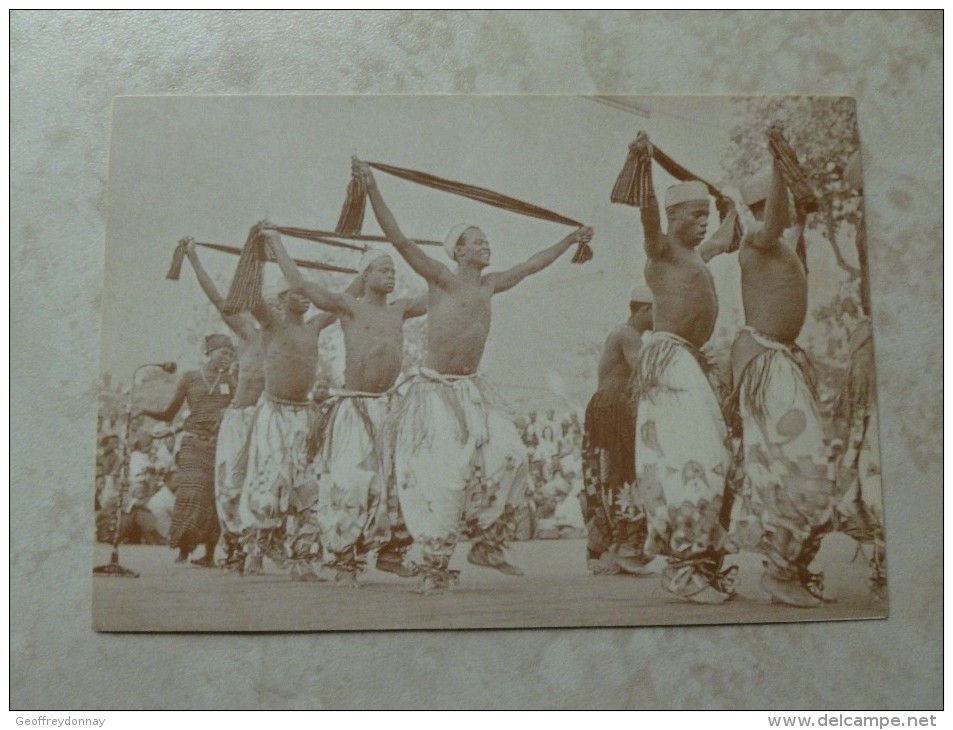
471	362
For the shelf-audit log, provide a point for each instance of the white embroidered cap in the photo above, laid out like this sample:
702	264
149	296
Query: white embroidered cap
686	192
755	189
453	238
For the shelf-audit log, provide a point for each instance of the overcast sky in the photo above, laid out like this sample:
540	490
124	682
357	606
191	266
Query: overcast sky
211	167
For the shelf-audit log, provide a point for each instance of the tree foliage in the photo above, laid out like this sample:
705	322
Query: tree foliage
823	132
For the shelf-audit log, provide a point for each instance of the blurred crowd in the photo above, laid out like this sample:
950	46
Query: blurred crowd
554	450
146	509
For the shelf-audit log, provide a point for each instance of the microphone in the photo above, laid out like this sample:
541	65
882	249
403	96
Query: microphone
169	367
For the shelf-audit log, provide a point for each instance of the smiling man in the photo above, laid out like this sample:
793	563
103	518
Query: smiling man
458	459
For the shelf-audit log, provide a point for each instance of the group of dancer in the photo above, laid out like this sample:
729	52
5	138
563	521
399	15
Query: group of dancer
673	468
383	464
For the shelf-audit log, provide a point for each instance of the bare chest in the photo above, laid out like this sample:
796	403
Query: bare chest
463	300
680	274
374	322
775	266
292	341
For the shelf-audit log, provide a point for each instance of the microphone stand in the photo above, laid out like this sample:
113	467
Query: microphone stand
113	569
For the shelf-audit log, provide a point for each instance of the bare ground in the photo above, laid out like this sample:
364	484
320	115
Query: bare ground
557	591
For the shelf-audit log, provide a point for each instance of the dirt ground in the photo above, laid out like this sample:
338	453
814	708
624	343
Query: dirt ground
557	591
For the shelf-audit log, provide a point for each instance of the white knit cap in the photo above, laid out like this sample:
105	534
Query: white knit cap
686	192
370	256
641	294
453	238
755	189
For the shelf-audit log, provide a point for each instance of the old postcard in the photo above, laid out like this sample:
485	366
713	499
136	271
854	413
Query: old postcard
485	362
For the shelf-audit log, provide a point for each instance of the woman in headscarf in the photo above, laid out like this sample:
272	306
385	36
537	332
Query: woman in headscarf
207	391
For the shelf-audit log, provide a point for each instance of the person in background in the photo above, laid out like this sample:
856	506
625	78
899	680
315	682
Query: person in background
207	391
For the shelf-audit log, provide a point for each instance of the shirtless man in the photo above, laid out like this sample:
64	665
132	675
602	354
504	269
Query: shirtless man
786	490
357	507
681	452
236	421
276	493
458	459
616	533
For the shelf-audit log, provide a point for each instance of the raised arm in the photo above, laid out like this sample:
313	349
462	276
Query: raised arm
776	218
776	210
721	241
240	324
178	399
537	262
430	269
326	319
656	246
416	307
337	304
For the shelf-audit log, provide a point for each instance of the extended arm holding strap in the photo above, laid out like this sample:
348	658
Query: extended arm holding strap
352	213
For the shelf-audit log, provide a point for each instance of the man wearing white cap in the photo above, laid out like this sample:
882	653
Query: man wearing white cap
357	510
615	525
458	459
230	449
277	499
787	495
681	452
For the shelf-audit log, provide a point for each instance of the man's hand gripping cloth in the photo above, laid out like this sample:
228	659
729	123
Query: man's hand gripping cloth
352	212
357	511
279	493
805	201
615	521
787	497
859	489
682	460
634	183
459	463
244	293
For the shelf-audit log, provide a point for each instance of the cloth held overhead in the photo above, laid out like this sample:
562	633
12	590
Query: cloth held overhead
178	255
352	213
632	185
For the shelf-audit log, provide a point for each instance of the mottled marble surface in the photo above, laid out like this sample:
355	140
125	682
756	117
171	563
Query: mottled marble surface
66	67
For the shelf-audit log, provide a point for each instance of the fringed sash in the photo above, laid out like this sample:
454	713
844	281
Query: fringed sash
321	433
754	376
352	213
400	415
659	349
